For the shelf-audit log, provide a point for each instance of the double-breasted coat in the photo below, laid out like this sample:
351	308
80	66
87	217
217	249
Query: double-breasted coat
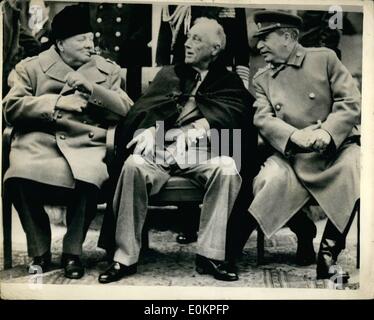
58	147
313	85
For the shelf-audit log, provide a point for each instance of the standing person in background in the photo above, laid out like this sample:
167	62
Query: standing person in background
122	34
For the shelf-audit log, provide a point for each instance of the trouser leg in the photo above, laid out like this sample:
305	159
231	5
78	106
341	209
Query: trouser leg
302	226
139	179
305	231
81	210
240	227
27	199
222	183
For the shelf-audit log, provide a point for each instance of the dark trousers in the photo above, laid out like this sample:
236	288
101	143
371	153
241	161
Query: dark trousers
29	197
243	224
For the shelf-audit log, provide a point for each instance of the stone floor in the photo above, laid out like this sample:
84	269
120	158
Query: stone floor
167	263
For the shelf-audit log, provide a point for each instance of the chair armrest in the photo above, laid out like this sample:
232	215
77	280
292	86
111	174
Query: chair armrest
7	136
110	146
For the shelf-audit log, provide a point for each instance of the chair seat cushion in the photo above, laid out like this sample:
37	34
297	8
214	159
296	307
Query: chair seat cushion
179	189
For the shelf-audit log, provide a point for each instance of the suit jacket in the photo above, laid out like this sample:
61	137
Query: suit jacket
313	85
54	146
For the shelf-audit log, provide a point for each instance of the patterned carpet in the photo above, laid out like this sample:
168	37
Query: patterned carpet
170	264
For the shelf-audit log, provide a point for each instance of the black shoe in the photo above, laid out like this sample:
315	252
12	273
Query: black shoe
40	264
185	238
334	274
328	269
218	269
73	268
117	271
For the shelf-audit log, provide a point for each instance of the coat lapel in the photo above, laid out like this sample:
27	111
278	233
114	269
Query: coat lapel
56	68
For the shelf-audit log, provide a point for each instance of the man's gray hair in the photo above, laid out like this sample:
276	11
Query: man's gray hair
220	33
294	32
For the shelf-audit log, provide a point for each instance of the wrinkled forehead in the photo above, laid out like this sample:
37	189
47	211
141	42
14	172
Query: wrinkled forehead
206	31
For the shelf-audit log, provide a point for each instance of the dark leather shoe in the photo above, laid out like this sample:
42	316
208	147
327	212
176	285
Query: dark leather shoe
334	274
73	268
186	238
40	264
116	272
219	270
328	269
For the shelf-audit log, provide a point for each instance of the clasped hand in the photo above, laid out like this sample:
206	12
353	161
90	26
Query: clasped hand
77	101
312	138
79	82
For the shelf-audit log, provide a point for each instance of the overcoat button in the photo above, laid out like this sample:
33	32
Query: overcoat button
277	107
91	134
118	34
298	54
312	95
116	48
84	121
118	19
119	5
99	20
62	137
97	34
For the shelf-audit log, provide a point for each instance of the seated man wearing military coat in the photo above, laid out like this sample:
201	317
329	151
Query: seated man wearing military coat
308	110
61	104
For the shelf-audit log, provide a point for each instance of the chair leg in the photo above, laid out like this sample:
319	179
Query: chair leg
145	236
358	239
260	246
189	218
7	231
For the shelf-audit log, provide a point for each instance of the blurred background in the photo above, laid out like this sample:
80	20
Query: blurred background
145	35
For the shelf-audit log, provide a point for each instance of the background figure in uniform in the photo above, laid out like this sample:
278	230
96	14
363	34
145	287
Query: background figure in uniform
18	42
177	20
60	106
122	34
307	109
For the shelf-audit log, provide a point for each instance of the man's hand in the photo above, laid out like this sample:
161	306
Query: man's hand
193	135
145	142
79	82
73	102
322	140
305	138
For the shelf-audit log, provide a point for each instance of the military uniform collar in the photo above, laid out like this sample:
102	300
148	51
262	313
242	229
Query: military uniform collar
297	56
295	59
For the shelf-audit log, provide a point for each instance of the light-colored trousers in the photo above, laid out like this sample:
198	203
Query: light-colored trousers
141	178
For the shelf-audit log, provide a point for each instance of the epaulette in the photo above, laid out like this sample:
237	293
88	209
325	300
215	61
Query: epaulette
105	64
29	59
111	61
262	70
